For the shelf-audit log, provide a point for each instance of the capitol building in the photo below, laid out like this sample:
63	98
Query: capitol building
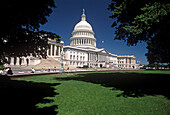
81	52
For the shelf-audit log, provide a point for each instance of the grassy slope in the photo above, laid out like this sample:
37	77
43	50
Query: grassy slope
83	98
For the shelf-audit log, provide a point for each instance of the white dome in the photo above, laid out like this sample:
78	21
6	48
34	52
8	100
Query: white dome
83	25
83	35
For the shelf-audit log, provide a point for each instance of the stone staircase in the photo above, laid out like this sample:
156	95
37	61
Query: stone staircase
50	62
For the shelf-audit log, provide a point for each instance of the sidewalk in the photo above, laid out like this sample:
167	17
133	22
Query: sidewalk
18	73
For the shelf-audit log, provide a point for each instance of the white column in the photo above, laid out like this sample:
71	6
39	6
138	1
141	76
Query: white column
59	50
54	50
89	57
17	61
51	49
12	61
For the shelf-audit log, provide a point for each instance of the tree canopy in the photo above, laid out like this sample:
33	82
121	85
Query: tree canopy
20	21
144	20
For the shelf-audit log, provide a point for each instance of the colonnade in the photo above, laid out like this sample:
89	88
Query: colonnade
102	58
54	50
97	57
18	61
78	34
83	42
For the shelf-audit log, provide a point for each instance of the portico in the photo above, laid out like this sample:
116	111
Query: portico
55	48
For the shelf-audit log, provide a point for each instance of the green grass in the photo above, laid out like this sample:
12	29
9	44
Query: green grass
89	94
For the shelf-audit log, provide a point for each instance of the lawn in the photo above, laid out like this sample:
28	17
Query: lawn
96	93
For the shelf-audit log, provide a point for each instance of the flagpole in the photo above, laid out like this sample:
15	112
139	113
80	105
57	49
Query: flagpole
102	43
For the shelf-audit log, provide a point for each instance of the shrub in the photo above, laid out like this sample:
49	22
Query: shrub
2	67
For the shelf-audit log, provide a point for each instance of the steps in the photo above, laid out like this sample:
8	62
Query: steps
48	63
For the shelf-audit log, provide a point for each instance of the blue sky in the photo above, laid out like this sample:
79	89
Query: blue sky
68	14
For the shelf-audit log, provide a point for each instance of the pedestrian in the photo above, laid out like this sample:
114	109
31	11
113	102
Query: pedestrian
10	71
55	69
32	70
42	70
49	69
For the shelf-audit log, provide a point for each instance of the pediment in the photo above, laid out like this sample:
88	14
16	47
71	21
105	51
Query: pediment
103	51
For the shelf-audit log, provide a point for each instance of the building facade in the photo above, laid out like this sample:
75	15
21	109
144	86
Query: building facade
54	52
82	51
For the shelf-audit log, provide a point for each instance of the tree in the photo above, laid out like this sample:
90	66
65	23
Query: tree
144	20
20	22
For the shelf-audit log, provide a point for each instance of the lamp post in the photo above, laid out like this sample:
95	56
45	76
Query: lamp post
95	67
62	68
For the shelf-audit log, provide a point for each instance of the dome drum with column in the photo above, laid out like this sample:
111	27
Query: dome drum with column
83	33
83	42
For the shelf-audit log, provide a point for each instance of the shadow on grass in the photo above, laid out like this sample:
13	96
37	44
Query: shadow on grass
20	97
132	84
